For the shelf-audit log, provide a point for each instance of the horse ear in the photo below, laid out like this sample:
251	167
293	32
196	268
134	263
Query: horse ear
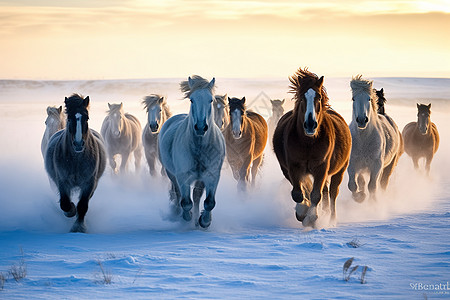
60	109
86	101
211	83
190	82
271	101
320	82
243	100
65	100
382	90
109	105
418	105
282	101
48	110
161	99
429	106
121	105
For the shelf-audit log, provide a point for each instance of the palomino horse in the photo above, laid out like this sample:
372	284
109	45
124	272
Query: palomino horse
192	150
277	113
76	158
376	142
312	140
55	121
122	134
421	137
381	100
246	138
221	111
157	113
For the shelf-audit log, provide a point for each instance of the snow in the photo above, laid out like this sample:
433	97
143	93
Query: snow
254	248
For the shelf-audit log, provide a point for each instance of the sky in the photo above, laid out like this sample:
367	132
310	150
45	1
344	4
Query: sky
120	39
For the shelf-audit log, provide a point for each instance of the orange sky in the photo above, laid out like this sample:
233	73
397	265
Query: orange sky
175	38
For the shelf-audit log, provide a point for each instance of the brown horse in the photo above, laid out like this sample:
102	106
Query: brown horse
421	138
246	138
312	140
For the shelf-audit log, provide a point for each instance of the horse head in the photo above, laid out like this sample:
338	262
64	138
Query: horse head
116	116
363	101
220	113
55	118
423	117
237	112
154	105
277	108
77	120
201	98
381	100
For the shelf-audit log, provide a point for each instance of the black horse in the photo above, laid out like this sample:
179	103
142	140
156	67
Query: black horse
76	158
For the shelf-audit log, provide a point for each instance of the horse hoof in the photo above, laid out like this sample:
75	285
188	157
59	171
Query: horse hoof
301	209
299	218
359	197
187	215
309	221
72	212
204	221
78	227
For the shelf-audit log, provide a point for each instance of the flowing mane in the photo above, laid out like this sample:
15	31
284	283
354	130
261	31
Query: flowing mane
301	81
153	99
197	83
360	85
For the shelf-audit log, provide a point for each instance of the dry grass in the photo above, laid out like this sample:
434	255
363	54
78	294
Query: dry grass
347	270
19	271
106	275
2	281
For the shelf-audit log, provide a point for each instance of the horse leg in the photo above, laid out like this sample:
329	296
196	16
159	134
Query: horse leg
174	195
112	163
325	198
336	180
186	202
387	171
124	162
210	202
151	165
255	167
320	177
197	193
243	174
82	208
415	160
137	158
373	181
66	205
428	159
295	177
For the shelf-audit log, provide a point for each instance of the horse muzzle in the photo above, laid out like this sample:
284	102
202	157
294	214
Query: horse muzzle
200	130
362	122
310	126
237	134
78	146
154	127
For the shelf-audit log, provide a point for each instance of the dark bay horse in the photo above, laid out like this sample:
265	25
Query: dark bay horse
421	138
245	138
76	158
312	140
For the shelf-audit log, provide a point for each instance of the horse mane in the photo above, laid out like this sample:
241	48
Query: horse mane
303	80
360	86
221	99
74	103
150	100
197	83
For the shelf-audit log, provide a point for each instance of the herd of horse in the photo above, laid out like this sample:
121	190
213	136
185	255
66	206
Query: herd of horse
312	142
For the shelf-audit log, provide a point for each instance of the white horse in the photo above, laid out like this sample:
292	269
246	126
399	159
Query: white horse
122	134
192	151
157	114
55	121
376	142
277	113
221	111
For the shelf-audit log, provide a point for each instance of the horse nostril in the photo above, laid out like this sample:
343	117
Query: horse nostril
315	125
195	127
205	128
366	120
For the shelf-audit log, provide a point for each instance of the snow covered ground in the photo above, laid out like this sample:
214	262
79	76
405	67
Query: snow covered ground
254	248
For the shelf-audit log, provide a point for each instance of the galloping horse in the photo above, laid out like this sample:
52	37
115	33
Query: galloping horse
421	137
221	111
122	134
158	112
277	113
381	100
55	121
376	142
192	150
245	138
312	140
76	158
